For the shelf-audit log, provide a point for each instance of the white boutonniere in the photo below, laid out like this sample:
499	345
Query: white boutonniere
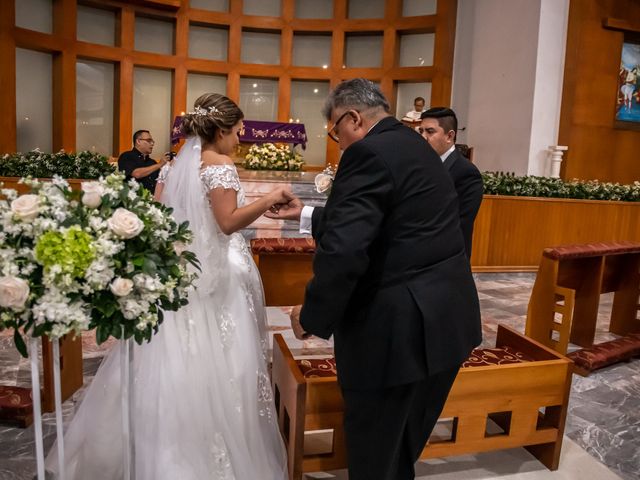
324	180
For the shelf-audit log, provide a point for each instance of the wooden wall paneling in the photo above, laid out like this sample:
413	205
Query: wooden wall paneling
8	131
64	101
286	55
233	86
182	35
124	78
66	49
166	4
126	28
124	102
598	149
622	24
443	53
64	77
41	42
511	232
284	98
179	73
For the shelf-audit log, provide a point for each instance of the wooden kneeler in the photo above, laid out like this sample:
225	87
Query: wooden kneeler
565	298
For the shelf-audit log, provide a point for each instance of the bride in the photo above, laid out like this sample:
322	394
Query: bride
203	406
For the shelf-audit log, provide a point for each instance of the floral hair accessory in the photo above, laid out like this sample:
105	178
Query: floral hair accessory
208	111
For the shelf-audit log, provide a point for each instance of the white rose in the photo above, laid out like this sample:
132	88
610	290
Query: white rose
26	207
14	292
92	194
179	247
323	182
121	287
125	224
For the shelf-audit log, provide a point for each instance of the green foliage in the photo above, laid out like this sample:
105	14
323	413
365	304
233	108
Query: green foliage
37	164
499	183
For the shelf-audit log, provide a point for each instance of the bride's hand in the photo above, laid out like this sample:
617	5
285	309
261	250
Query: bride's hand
279	196
288	210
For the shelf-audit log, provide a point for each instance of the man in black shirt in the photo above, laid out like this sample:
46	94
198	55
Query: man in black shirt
137	164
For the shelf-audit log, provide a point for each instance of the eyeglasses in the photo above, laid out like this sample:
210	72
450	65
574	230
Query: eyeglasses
148	140
332	135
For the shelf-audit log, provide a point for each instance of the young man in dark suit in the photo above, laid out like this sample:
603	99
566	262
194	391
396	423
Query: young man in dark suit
439	126
391	283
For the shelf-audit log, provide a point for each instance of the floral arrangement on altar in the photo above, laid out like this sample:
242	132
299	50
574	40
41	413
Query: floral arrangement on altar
268	156
324	180
38	164
499	183
108	258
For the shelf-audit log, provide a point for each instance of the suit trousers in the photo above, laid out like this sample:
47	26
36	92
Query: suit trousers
386	429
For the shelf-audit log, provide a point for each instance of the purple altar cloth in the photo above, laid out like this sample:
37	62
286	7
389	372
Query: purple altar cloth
259	132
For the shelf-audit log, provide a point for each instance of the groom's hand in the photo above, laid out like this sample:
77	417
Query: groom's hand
286	211
298	331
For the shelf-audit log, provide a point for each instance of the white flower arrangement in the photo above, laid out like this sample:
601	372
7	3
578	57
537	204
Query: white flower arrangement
268	156
108	258
324	180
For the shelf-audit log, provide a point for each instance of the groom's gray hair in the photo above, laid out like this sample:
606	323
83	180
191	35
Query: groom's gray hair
357	94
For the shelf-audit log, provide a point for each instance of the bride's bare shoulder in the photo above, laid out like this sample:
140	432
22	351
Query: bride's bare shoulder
211	158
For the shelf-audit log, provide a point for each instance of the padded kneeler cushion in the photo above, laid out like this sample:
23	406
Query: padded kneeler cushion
480	357
16	405
607	353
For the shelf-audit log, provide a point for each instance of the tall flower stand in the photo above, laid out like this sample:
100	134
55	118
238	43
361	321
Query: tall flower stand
37	408
128	432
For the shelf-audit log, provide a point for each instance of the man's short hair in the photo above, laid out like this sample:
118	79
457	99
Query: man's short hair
358	94
446	118
137	135
419	99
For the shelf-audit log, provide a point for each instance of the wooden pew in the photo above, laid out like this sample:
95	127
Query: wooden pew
285	266
490	407
565	298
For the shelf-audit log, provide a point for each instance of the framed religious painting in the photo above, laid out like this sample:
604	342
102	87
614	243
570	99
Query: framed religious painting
628	88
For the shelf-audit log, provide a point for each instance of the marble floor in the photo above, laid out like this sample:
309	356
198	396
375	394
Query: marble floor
603	425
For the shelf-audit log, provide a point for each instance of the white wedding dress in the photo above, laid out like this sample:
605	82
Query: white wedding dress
203	405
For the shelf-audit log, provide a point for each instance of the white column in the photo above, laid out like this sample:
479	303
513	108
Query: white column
547	88
507	80
556	159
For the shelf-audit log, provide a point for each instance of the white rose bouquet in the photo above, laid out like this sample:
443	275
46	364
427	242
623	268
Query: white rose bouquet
108	258
324	180
268	156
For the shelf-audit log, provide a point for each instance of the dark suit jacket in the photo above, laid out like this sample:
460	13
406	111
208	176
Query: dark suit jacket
391	279
468	182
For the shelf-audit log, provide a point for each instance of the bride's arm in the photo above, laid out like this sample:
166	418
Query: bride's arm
157	193
232	218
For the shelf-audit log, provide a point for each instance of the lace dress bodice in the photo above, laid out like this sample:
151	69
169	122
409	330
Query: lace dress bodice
225	176
214	176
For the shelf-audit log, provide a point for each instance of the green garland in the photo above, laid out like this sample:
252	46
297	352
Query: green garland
37	164
499	183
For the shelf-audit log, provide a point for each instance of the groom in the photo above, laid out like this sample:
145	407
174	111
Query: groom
391	283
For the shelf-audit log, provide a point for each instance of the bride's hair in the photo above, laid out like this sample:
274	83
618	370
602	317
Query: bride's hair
212	112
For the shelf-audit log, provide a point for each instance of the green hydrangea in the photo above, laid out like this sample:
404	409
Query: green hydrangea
72	251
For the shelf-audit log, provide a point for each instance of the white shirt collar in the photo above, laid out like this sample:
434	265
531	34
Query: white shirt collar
446	154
